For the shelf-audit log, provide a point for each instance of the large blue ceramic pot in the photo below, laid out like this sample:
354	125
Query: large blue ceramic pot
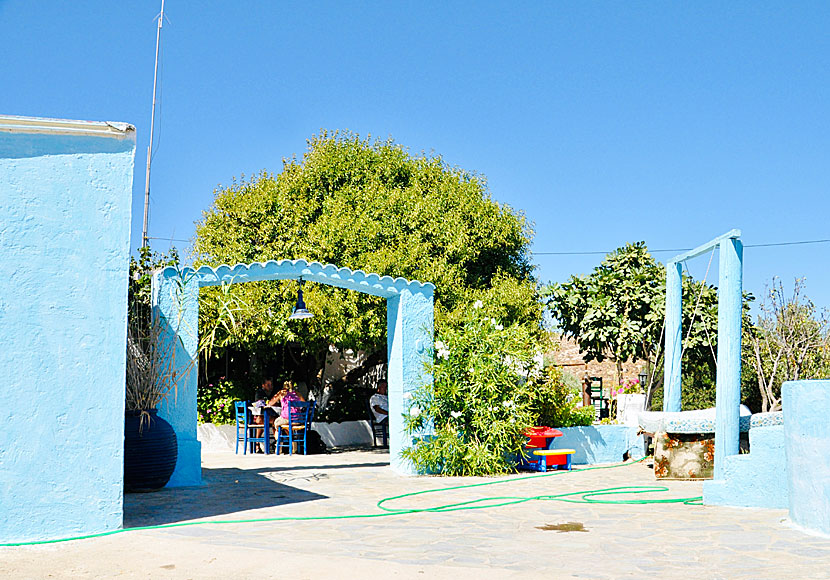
150	451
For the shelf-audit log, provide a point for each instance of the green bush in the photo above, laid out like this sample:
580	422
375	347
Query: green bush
214	401
555	401
471	419
348	403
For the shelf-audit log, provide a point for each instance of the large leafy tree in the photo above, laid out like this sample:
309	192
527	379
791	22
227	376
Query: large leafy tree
617	313
367	205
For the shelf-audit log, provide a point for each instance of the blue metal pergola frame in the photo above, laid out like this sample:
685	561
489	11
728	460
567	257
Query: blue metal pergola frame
730	304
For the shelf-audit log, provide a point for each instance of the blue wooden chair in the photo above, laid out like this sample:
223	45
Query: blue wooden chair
300	417
246	430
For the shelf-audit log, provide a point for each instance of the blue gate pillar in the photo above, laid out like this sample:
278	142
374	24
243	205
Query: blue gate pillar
409	332
674	337
176	311
728	394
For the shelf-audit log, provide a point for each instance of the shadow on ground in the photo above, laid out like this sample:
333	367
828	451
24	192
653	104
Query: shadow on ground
224	491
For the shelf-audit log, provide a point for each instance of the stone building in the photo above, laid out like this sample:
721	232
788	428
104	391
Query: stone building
568	357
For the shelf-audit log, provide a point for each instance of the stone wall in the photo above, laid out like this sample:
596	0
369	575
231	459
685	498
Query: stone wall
568	357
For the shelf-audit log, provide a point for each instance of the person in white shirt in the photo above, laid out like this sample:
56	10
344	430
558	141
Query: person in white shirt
380	403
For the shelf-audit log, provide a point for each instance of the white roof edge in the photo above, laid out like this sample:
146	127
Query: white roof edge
13	124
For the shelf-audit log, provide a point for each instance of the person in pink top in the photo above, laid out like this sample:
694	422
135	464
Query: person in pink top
284	396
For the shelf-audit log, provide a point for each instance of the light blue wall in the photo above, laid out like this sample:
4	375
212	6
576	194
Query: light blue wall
755	479
806	411
601	443
409	339
65	204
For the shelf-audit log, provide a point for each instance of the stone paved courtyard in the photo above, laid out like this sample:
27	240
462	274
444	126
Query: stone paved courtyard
534	539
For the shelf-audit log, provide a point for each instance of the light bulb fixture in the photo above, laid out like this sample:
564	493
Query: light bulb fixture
300	311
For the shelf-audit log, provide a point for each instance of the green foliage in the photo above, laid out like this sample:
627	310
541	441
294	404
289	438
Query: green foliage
348	403
140	283
472	418
697	390
367	205
214	401
790	341
555	401
617	312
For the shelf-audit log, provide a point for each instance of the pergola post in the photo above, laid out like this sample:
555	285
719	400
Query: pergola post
176	312
728	394
674	337
409	344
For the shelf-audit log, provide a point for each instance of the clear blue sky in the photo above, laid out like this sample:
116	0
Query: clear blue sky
603	122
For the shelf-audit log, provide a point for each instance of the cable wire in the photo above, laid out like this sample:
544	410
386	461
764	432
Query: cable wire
770	245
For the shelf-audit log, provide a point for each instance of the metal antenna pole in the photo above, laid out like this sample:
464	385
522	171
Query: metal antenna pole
144	239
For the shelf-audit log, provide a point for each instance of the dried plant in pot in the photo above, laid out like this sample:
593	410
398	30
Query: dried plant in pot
150	445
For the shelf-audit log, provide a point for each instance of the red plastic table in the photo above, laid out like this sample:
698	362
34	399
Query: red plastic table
541	437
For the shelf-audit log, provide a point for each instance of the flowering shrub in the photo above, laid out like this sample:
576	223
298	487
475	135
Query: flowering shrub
214	402
471	420
627	387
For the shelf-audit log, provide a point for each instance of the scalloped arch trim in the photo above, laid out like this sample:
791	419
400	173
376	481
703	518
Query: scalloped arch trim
329	274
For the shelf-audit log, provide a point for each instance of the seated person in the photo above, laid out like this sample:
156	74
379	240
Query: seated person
380	403
283	397
262	395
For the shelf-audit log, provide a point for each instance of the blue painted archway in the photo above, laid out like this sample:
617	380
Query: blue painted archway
409	338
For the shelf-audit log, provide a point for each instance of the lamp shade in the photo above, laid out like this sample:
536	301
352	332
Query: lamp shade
300	311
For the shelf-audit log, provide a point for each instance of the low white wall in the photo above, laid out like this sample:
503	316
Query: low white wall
345	433
222	438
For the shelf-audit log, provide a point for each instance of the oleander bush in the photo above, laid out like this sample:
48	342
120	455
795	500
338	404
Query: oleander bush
471	419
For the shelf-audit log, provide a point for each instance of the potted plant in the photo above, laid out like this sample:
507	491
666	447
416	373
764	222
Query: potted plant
150	446
630	400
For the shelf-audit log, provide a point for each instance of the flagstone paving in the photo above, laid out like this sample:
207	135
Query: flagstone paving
532	539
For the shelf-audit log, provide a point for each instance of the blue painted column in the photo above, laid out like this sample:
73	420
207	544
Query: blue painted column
728	397
807	445
674	337
409	336
176	309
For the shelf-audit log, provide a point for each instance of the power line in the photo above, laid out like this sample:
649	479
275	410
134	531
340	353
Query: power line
802	242
168	239
786	243
599	253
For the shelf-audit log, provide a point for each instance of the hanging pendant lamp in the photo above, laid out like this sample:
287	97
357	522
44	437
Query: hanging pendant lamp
300	311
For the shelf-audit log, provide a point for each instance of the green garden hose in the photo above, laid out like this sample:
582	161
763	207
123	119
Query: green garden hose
594	496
